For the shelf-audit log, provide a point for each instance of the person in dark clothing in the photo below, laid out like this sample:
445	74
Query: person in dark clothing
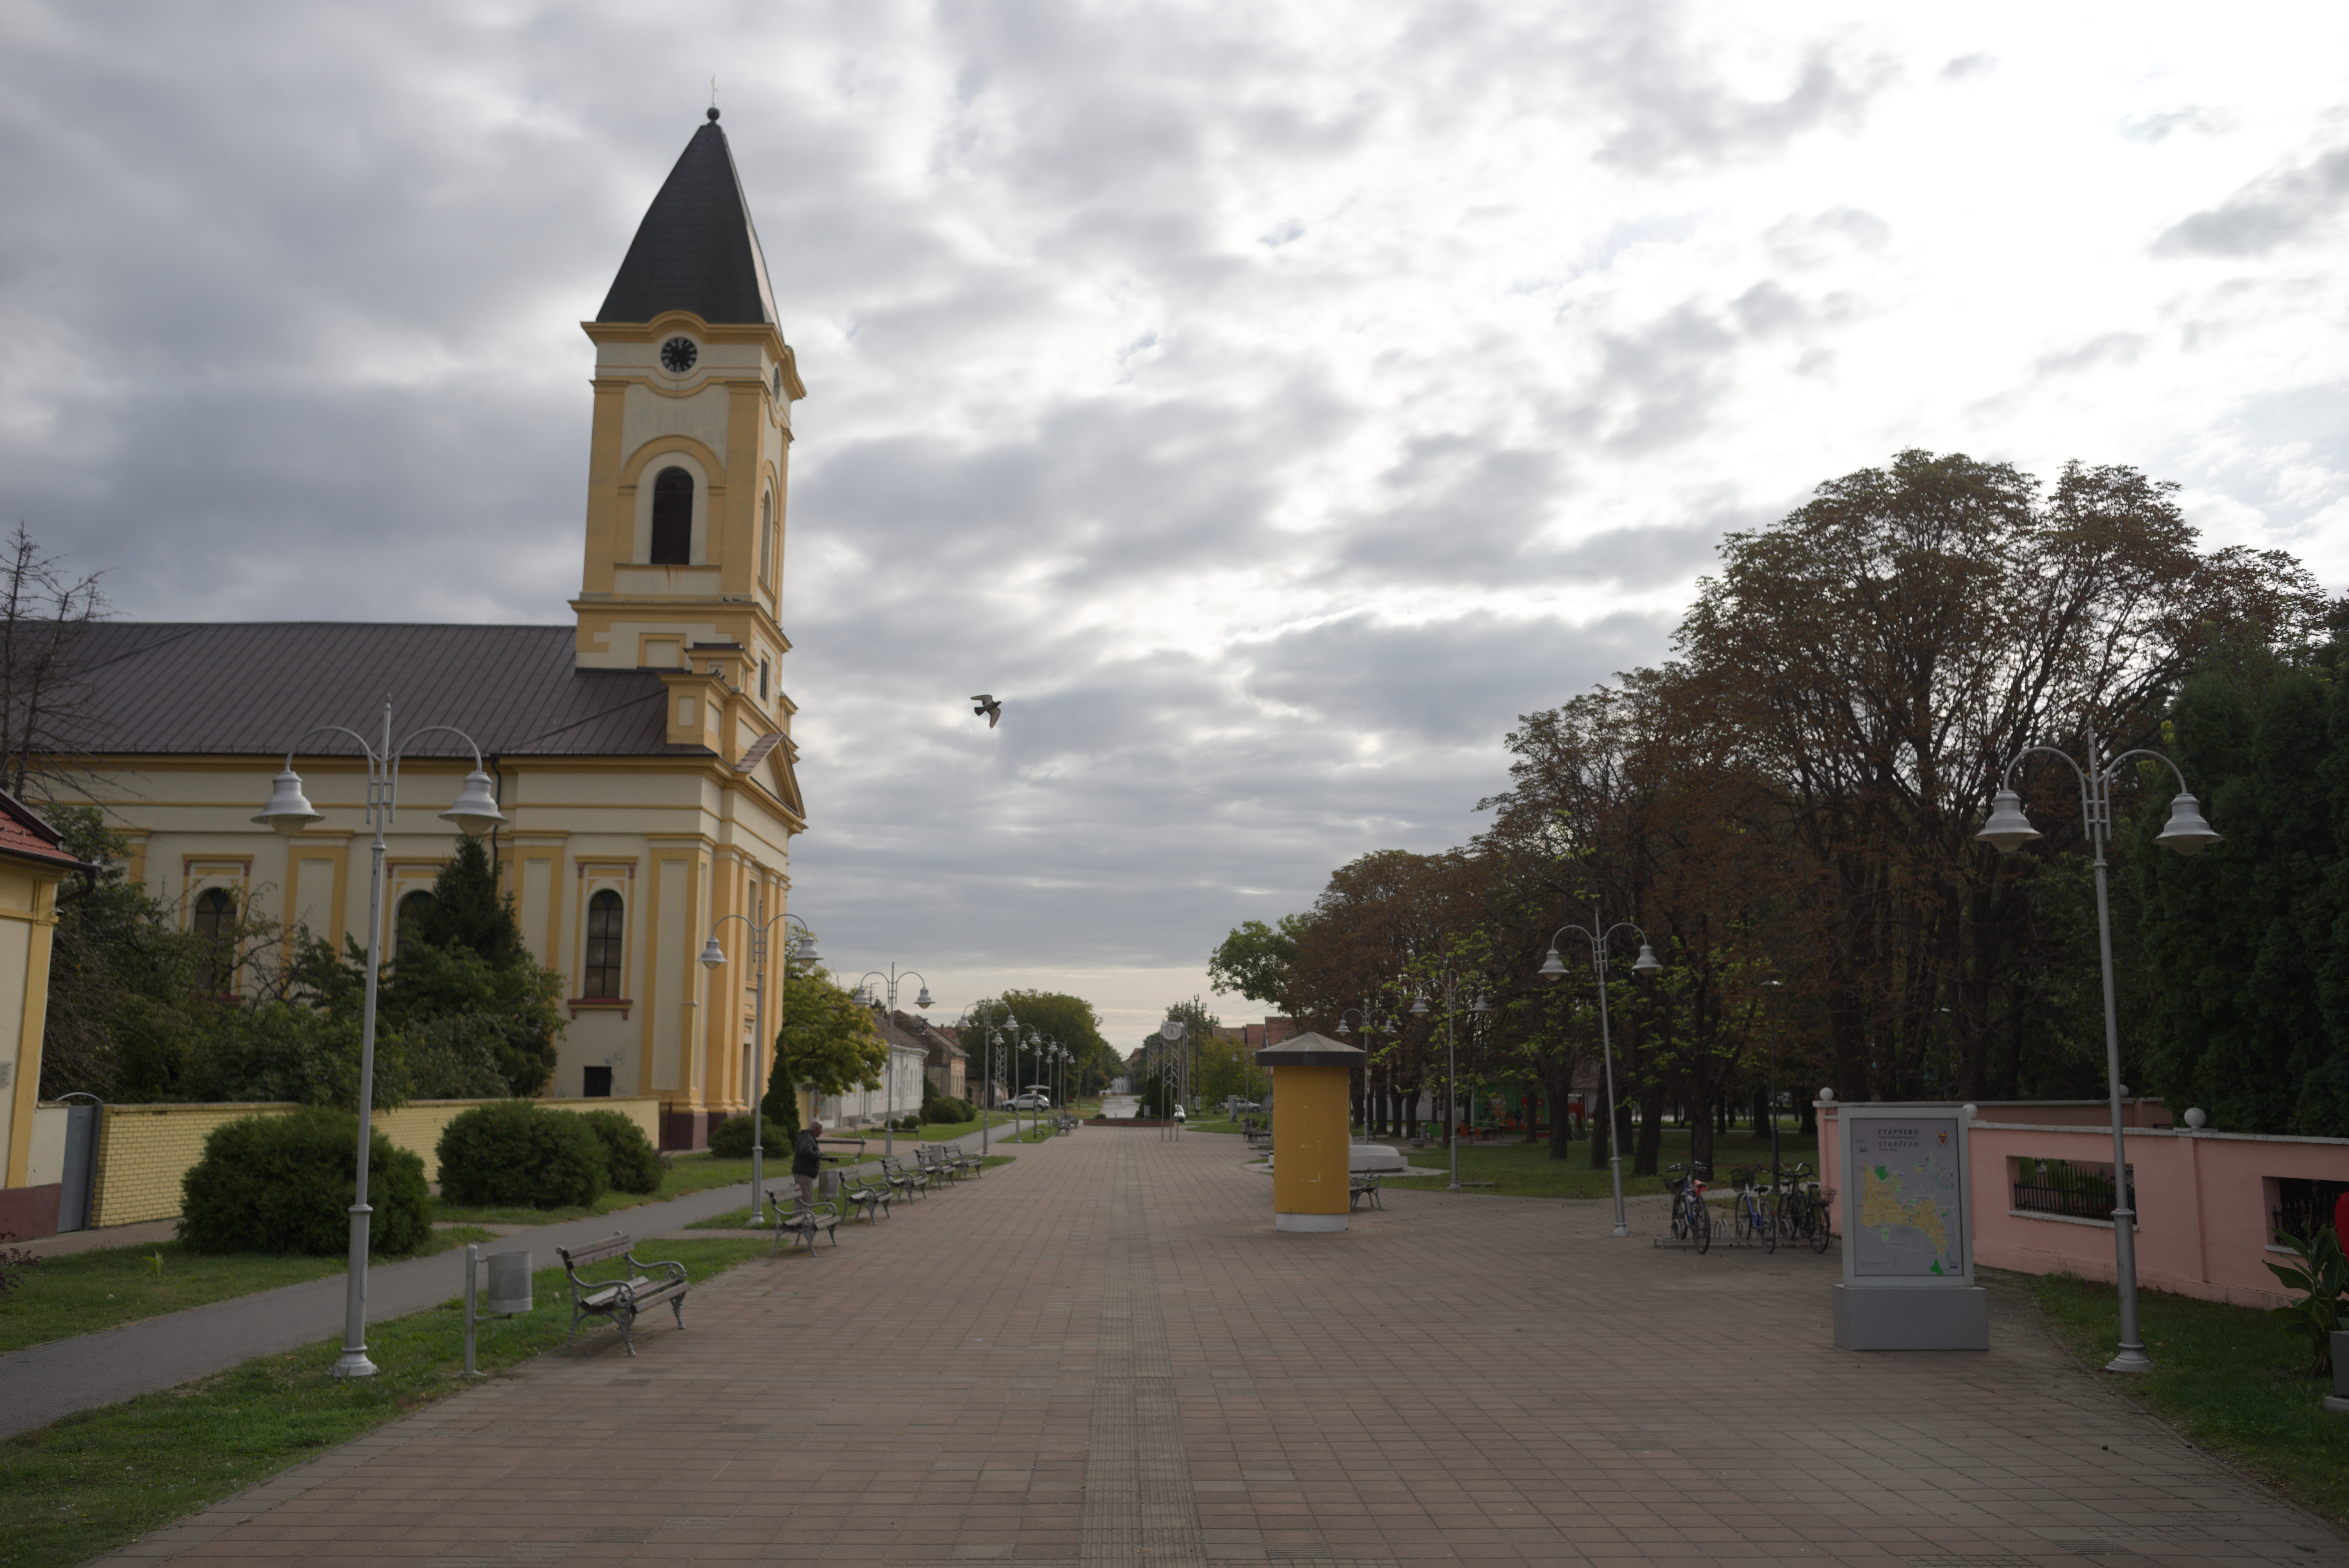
807	1159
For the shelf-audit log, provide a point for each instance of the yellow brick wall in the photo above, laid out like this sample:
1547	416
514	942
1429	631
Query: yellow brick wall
144	1149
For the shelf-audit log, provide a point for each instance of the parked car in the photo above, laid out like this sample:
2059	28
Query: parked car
1030	1102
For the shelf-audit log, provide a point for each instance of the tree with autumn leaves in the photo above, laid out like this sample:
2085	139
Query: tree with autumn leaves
1787	807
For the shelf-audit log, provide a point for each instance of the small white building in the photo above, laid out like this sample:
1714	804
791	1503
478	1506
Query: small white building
900	1093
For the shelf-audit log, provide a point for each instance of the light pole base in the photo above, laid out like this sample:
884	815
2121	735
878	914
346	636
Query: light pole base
2132	1358
1620	1230
354	1364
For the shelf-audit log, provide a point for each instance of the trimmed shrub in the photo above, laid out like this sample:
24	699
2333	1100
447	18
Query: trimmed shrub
512	1154
630	1161
285	1184
731	1139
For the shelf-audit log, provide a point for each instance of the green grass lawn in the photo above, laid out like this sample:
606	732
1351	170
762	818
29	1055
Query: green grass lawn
93	1482
1521	1169
80	1292
932	1131
2233	1379
686	1174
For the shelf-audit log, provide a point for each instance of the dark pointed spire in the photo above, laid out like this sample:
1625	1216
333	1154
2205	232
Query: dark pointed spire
696	249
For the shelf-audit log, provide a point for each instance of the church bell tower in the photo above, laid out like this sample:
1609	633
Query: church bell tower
688	471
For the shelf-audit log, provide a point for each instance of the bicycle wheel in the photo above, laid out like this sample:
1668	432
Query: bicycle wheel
1745	1222
1700	1226
1680	1218
1821	1234
1767	1221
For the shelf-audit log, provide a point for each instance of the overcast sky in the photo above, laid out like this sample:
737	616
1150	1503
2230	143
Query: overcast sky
1268	401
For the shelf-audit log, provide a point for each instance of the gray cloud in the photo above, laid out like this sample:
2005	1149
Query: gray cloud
2277	208
2160	126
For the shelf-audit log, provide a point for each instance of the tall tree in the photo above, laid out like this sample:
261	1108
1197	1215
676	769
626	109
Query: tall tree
44	716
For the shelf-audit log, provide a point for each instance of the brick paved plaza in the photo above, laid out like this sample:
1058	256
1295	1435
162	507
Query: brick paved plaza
1105	1354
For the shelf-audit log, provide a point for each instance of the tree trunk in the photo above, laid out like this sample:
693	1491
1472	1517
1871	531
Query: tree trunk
1602	1137
1649	1150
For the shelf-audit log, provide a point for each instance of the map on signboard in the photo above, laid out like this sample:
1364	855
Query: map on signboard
1912	1206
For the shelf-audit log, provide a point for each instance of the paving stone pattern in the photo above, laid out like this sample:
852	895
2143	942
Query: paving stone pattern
1105	1354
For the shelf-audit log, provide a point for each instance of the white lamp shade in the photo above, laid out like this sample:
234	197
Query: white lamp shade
1646	963
712	955
1552	967
2186	831
1419	1005
1342	1030
805	952
922	1001
289	811
1482	1004
476	811
2008	828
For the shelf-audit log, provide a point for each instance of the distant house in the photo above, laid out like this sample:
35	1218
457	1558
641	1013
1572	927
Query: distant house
947	1065
33	861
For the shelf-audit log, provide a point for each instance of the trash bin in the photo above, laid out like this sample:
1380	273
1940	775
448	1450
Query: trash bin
827	1187
508	1282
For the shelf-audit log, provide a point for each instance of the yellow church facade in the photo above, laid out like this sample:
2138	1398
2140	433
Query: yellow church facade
640	751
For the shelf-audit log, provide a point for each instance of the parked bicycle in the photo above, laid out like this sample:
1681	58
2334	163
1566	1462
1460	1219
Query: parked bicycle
1805	1208
1692	1220
1754	1214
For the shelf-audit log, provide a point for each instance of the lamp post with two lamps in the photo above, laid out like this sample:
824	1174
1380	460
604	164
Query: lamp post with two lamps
1369	1029
1646	963
2187	833
289	812
799	948
1450	986
866	996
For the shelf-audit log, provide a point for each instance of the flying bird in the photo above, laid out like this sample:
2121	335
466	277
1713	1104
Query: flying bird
989	707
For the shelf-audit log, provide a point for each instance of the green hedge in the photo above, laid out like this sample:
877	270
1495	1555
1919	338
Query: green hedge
285	1184
731	1139
511	1152
630	1161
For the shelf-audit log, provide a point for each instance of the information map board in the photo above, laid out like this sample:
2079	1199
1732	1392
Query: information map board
1904	1196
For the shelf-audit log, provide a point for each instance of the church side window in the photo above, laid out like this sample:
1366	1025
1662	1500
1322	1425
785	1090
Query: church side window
673	518
215	923
603	944
767	537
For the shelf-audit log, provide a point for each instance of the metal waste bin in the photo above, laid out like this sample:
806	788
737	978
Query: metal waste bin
827	1186
508	1282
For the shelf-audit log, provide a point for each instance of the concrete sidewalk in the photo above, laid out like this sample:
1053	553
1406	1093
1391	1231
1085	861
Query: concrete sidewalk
43	1382
1107	1355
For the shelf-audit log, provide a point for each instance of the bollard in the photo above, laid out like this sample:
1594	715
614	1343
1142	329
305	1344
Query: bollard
472	1267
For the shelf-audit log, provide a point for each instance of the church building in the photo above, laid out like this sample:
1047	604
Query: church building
641	753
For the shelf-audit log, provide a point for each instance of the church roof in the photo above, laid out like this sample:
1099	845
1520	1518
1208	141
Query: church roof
696	249
243	688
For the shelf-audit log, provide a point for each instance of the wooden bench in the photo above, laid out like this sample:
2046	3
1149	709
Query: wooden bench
803	1221
857	1192
1364	1185
904	1182
622	1298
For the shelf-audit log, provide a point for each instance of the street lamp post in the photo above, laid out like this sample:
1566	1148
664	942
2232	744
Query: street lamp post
888	1052
2008	831
797	949
1645	963
1450	986
1369	1029
289	812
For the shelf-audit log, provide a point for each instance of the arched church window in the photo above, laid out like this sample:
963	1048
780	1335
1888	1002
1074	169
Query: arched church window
767	537
214	921
604	926
409	912
673	519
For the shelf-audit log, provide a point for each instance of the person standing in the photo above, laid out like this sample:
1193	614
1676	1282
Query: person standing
807	1159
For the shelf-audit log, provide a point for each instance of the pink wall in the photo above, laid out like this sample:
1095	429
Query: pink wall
2202	1200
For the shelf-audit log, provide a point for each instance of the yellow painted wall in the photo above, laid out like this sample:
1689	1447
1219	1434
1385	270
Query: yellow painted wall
28	918
144	1149
1312	1145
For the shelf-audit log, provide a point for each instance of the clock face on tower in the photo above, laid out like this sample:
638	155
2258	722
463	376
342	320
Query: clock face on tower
678	356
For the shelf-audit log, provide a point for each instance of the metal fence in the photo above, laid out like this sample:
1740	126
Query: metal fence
2066	1187
2304	1207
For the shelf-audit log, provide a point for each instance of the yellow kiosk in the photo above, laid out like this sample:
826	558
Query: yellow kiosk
1313	1147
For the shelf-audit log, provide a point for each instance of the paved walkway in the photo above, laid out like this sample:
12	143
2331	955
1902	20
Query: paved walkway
43	1382
1106	1354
